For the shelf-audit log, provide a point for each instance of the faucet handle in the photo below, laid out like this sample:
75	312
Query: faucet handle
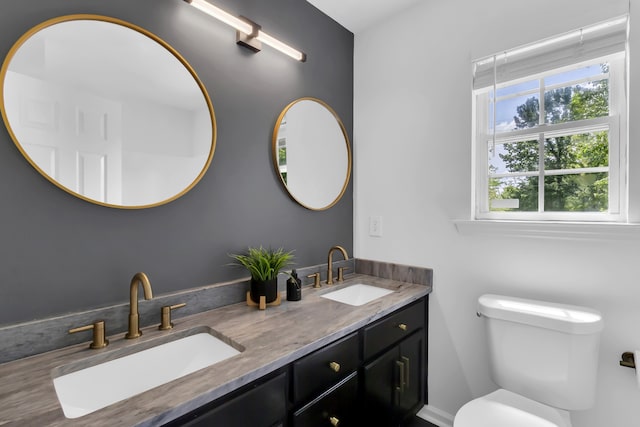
165	316
316	279
341	273
98	334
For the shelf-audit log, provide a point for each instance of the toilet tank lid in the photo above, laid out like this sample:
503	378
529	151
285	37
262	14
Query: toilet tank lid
561	317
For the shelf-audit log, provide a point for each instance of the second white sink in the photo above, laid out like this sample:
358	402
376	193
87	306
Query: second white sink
356	295
95	387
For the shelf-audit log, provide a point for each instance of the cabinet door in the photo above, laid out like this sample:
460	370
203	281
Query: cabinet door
411	356
393	383
337	407
381	387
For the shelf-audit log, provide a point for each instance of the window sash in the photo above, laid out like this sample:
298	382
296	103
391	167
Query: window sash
550	172
617	151
552	130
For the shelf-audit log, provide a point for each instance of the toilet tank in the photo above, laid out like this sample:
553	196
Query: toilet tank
544	351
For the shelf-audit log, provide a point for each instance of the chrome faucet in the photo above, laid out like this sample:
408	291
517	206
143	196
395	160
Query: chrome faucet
329	262
134	316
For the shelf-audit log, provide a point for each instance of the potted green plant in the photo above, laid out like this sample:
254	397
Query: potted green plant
264	265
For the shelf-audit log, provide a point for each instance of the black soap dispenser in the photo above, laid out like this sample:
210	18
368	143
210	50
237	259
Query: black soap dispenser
294	287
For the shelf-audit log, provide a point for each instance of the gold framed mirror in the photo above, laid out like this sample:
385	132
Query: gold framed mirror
311	153
107	111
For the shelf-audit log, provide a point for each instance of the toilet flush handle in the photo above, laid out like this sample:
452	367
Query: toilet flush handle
628	361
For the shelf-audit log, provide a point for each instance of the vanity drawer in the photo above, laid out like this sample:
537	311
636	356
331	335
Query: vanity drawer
259	404
339	406
391	329
323	368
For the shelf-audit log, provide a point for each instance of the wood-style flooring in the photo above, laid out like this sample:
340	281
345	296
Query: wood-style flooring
418	422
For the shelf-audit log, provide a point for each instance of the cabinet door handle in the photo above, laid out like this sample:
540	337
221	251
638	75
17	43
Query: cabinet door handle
402	375
335	366
398	380
407	373
335	422
402	326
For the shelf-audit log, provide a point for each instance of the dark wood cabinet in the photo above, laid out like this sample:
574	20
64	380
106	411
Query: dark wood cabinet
262	403
375	377
393	374
337	407
324	385
392	383
412	389
390	378
385	332
379	378
320	370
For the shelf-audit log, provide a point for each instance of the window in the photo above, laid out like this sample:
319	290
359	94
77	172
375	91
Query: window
549	140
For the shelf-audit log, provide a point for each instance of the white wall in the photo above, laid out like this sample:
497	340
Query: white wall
412	142
165	148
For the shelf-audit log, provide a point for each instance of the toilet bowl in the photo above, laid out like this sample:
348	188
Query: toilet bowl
503	408
543	355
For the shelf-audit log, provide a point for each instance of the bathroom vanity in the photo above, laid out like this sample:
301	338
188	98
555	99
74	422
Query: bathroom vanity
304	363
374	376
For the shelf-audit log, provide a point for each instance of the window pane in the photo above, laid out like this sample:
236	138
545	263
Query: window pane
577	151
518	112
519	156
580	193
517	88
513	194
586	100
578	73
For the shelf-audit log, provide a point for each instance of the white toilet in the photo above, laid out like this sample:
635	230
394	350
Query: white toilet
545	358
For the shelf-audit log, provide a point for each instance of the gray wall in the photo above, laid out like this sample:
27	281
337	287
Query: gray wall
60	254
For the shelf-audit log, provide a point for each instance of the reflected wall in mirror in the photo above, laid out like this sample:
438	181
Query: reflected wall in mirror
107	111
311	153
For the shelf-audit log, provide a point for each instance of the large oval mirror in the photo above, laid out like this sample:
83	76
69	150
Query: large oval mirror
311	153
107	111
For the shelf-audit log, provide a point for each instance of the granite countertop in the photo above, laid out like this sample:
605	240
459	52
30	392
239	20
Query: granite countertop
272	338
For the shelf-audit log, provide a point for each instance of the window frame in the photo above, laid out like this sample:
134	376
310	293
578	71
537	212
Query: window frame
616	122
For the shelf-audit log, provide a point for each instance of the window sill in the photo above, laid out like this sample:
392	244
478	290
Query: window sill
549	230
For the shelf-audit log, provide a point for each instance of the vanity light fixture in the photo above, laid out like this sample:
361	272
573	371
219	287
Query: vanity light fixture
248	33
282	47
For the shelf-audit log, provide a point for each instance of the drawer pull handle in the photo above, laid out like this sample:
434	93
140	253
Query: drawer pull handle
335	366
402	326
334	421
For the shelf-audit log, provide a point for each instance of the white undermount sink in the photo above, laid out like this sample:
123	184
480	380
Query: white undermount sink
95	387
357	294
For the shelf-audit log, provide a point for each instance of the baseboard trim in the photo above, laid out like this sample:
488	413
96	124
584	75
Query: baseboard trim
436	416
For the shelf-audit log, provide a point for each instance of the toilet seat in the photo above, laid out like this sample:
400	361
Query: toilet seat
503	408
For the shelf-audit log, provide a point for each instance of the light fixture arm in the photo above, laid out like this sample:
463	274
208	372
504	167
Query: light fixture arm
249	40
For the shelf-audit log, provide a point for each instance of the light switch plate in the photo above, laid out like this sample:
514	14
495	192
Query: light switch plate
375	226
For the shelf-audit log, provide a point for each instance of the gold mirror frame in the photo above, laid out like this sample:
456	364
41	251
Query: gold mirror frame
91	17
275	152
